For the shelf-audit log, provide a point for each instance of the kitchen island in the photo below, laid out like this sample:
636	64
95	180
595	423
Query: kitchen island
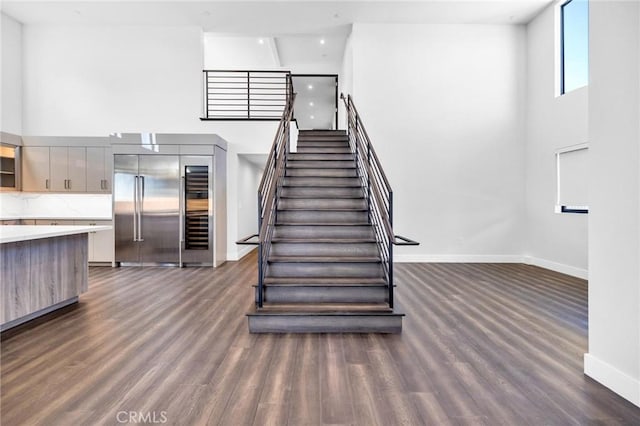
42	268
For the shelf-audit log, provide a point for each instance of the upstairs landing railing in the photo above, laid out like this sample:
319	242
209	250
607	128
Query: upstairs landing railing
245	95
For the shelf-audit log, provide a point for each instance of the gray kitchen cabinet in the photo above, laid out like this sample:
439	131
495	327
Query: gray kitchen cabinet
99	169
35	168
68	169
56	168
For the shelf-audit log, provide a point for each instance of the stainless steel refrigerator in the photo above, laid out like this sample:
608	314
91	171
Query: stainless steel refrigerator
163	209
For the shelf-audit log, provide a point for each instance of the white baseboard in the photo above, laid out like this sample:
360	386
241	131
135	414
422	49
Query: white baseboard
457	258
558	267
240	253
621	383
492	258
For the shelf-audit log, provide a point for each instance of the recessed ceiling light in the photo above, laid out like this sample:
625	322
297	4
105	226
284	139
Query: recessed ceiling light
321	41
261	40
310	103
310	87
311	117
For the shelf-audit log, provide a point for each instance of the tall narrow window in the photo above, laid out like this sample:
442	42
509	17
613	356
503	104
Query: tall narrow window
574	68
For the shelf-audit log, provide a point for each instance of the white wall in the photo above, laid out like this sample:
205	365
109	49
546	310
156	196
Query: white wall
249	176
97	80
11	85
614	217
553	240
345	81
444	106
227	52
129	79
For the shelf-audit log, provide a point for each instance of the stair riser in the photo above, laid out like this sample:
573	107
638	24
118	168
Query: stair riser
318	270
308	216
319	136
324	249
320	203
322	172
323	143
325	294
321	192
319	132
322	150
325	324
320	157
320	231
322	181
321	164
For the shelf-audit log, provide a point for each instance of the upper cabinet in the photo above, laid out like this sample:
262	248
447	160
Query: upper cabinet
99	169
35	169
66	169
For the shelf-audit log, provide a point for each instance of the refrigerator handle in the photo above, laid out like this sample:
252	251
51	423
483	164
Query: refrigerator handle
135	208
140	201
182	208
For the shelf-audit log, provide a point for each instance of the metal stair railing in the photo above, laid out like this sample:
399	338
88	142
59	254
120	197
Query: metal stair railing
272	180
378	192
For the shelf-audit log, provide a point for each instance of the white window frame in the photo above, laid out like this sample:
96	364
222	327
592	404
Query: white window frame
560	208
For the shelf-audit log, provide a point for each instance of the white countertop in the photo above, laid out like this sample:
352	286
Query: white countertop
14	233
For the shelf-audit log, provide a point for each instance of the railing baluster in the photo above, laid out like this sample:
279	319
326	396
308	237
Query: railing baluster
248	95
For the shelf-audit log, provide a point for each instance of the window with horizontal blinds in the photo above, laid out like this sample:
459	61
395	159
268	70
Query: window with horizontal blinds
572	175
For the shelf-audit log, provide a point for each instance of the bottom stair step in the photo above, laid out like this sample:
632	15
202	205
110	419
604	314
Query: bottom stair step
297	320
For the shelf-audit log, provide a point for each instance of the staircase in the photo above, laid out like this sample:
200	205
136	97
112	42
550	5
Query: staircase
324	270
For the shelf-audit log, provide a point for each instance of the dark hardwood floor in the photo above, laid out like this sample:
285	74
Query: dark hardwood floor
490	344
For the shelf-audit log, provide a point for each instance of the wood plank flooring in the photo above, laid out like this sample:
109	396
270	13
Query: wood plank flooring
492	344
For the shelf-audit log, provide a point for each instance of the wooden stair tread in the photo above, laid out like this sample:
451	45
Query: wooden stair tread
319	159
328	281
303	166
325	309
332	197
323	224
328	209
316	185
324	259
324	240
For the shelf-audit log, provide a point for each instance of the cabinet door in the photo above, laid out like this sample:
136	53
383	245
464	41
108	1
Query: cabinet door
103	243
59	165
95	169
77	169
35	168
108	170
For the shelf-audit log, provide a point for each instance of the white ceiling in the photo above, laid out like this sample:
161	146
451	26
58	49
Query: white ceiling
269	17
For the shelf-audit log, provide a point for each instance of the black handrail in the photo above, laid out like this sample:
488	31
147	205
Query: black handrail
272	180
378	192
245	94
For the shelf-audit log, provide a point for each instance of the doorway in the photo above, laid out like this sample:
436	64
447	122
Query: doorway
316	106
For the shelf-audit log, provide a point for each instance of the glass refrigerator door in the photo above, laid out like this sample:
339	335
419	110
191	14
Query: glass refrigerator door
196	221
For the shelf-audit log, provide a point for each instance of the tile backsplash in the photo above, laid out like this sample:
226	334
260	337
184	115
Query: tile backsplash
29	205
